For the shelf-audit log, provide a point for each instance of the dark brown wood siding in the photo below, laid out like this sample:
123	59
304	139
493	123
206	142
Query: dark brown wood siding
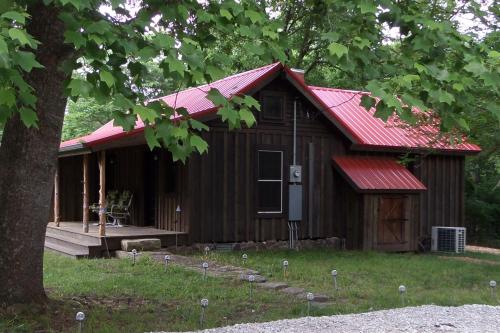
443	202
222	190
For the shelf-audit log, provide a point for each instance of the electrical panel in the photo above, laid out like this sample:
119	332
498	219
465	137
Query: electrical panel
295	202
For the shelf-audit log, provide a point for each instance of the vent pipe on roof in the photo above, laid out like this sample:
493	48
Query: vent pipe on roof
299	73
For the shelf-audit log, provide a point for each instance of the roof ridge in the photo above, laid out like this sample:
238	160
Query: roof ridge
339	89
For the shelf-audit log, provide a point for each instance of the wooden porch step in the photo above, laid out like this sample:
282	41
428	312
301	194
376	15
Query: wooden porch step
73	246
67	250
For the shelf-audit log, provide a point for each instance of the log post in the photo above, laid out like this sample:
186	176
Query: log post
85	217
102	194
57	210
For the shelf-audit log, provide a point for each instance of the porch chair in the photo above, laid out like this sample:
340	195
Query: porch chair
119	209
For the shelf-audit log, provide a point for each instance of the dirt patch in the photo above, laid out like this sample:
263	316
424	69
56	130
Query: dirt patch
482	249
472	260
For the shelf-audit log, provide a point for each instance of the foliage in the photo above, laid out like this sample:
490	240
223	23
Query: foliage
427	61
85	116
111	47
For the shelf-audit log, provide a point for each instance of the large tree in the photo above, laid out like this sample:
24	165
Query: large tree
54	49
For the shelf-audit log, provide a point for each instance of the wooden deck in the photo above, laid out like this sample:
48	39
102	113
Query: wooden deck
70	239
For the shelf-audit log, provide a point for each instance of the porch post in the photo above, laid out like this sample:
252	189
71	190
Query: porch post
102	193
57	215
85	217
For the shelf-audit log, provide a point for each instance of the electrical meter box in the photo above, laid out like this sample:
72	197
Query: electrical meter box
295	174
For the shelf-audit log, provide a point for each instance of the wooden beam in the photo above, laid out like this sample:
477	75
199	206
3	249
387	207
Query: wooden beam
57	210
85	217
102	193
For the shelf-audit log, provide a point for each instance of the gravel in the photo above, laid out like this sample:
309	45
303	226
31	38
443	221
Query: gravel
427	318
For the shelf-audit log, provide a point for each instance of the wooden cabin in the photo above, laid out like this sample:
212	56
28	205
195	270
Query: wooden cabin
349	182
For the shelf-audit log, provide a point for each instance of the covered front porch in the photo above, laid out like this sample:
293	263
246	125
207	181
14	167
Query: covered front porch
83	188
70	239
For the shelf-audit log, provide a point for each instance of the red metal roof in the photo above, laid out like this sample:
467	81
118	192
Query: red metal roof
193	99
368	130
343	105
377	174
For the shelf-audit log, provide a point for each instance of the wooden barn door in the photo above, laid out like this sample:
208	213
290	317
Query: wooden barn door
393	230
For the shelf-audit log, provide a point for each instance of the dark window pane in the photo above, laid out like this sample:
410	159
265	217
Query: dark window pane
270	165
269	196
272	107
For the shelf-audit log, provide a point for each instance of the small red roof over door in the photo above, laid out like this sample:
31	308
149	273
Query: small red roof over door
377	174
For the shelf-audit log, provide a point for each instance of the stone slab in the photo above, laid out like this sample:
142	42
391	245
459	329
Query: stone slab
143	244
293	290
273	285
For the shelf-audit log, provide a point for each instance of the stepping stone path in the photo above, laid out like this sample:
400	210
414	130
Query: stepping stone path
241	273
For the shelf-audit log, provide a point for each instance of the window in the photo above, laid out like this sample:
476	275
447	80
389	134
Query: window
273	105
270	182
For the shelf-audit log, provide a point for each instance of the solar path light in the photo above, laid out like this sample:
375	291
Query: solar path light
310	298
251	279
334	276
285	268
493	286
80	317
167	259
134	255
204	305
402	292
205	267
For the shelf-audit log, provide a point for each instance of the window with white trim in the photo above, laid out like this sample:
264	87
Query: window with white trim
270	182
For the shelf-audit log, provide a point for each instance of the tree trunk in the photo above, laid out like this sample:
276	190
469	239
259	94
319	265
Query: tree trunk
27	164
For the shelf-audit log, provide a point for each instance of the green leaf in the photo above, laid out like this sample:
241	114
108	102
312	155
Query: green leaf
151	139
214	72
163	41
475	68
3	46
7	96
27	61
251	102
146	114
383	111
361	42
20	35
228	114
198	125
80	87
248	117
253	16
15	16
225	13
179	132
337	49
76	38
29	117
175	65
216	97
198	142
367	6
442	96
463	123
458	86
367	102
107	77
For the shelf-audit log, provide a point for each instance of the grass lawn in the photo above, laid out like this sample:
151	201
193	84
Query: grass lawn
119	297
370	280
